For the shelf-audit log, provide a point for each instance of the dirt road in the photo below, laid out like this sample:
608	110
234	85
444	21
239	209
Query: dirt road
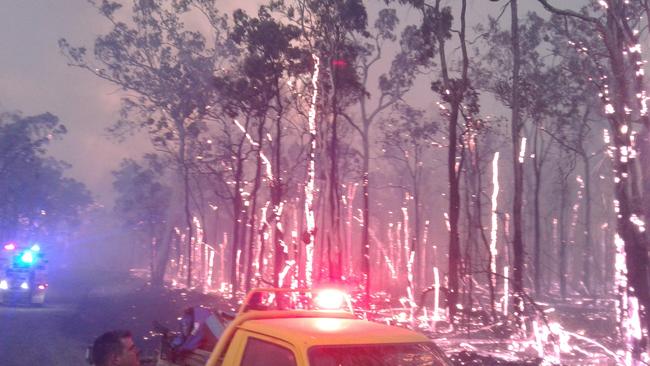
52	335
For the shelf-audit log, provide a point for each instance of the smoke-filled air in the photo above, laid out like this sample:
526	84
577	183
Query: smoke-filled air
473	172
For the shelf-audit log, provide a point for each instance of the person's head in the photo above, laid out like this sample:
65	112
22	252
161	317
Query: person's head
115	348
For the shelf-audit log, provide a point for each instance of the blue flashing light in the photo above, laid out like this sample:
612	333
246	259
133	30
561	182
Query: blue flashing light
27	257
35	248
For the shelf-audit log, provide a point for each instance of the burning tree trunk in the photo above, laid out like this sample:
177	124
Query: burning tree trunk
563	171
624	98
237	225
252	224
277	192
537	168
453	92
630	225
589	257
518	169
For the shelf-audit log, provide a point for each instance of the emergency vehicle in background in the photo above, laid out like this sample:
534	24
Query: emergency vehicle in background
289	327
22	274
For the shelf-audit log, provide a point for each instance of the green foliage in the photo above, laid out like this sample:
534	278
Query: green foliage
386	23
541	81
168	67
36	200
406	145
406	64
408	130
328	29
107	8
268	54
436	24
143	199
337	16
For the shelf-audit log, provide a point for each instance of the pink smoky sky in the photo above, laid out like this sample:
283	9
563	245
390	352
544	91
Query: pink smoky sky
35	78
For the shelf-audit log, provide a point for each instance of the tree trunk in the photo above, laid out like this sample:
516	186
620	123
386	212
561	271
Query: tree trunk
279	246
624	63
471	242
415	239
626	189
536	217
334	234
454	211
453	168
588	253
236	227
277	193
252	219
454	187
152	252
562	232
162	257
186	203
518	170
365	234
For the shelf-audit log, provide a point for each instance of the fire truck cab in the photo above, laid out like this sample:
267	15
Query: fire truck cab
281	327
22	274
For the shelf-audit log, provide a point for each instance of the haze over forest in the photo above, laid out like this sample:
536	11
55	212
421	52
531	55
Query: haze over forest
492	152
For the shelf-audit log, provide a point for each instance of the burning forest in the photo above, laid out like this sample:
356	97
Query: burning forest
474	170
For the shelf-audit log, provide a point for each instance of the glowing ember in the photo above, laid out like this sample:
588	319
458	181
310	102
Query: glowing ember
267	163
283	274
210	267
494	220
409	255
386	256
436	299
311	176
506	290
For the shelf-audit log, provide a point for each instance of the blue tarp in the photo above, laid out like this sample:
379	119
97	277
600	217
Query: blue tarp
200	329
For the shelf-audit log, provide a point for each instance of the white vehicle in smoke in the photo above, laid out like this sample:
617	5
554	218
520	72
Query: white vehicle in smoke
22	274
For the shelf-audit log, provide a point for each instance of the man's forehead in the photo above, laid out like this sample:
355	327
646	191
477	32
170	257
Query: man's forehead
127	342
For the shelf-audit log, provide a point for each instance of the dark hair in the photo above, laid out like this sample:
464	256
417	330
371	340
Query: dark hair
108	344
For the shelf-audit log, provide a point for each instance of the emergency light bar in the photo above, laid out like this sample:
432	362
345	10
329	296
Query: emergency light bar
9	246
330	299
27	257
267	299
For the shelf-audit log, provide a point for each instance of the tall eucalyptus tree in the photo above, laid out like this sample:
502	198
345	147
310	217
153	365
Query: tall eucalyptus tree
168	67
